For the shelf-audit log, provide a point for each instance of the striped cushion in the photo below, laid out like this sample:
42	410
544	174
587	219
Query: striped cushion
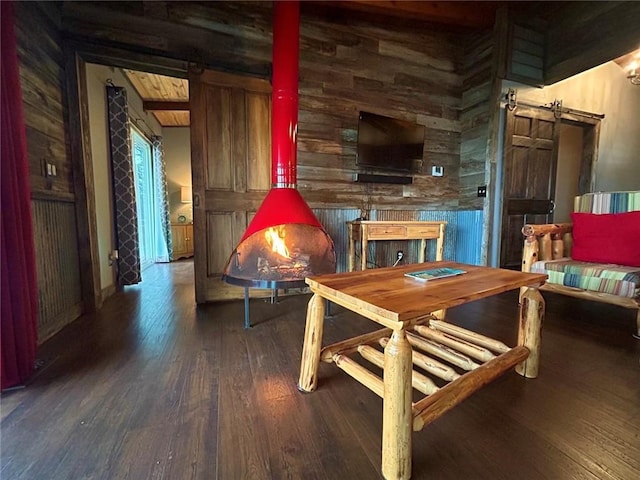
596	277
608	202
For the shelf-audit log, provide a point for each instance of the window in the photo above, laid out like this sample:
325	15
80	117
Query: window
145	197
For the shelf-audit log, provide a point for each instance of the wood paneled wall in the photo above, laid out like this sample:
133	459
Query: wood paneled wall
346	65
474	118
526	52
43	77
228	36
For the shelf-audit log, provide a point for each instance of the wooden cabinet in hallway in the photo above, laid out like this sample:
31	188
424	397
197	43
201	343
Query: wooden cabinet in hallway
182	237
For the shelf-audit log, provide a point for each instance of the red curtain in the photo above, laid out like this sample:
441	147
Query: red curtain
18	323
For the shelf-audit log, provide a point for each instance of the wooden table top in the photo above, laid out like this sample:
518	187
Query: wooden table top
387	296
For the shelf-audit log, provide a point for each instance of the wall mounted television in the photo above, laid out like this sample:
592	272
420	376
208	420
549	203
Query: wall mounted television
389	144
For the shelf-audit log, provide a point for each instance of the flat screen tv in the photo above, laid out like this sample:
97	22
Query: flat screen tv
389	143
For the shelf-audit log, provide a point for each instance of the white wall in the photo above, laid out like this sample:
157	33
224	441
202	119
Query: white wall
606	90
177	155
97	76
567	176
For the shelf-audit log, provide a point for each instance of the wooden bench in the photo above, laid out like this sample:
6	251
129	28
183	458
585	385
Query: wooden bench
553	243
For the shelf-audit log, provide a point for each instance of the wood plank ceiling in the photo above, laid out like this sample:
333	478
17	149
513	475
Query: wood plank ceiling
166	97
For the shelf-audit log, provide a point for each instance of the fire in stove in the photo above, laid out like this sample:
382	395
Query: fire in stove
275	237
289	264
283	253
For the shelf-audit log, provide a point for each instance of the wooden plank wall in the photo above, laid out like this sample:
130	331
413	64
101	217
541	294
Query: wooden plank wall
475	118
346	65
526	53
228	36
42	77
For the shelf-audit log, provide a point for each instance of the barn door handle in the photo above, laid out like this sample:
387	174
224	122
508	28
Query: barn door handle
553	206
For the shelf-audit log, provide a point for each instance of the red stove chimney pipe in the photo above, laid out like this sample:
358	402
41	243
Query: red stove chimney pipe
284	114
284	204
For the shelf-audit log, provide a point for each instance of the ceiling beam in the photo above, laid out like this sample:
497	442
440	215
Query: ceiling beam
156	106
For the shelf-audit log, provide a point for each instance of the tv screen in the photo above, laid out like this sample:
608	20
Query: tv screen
389	144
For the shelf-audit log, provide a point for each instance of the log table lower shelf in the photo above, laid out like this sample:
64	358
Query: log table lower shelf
420	351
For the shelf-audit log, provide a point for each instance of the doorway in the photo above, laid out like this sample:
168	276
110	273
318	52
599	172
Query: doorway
568	171
548	159
231	170
151	246
148	137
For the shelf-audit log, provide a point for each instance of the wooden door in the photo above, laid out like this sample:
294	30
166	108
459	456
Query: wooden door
530	159
230	159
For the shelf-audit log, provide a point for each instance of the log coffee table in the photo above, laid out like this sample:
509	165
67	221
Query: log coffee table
413	313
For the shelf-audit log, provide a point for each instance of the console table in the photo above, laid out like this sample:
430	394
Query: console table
466	360
364	231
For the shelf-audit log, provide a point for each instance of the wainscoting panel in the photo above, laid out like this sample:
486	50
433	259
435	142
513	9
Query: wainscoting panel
462	241
469	237
450	237
58	268
335	223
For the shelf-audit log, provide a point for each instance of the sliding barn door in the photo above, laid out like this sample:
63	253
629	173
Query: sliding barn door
230	159
530	160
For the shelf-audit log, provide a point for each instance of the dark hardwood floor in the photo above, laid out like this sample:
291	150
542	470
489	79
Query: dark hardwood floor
153	387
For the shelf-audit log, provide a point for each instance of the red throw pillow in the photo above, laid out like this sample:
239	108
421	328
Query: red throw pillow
607	238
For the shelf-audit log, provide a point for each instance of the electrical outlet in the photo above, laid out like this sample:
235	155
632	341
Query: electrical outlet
437	171
399	257
482	191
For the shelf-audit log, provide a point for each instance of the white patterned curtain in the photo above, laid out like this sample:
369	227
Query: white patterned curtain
124	191
164	247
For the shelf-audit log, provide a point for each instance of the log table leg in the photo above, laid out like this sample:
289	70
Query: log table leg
397	416
531	317
312	344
